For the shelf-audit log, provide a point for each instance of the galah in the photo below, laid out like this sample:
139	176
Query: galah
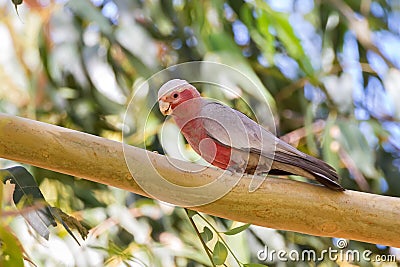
228	139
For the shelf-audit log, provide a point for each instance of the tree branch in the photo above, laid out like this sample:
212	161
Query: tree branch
278	203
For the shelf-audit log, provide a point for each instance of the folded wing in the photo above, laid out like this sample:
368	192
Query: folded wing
234	129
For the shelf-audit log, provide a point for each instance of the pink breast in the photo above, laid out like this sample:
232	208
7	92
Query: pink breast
210	150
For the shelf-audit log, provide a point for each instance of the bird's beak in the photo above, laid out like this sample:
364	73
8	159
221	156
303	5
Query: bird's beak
165	107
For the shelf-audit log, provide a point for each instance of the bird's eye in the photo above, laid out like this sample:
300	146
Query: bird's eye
175	95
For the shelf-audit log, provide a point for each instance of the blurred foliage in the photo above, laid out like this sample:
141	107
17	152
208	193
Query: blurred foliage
75	63
26	195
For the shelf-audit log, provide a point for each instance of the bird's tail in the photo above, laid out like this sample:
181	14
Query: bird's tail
291	161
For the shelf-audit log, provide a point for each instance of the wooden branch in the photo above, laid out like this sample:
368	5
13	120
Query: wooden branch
278	203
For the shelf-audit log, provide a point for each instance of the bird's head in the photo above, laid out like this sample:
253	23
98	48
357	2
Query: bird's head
173	93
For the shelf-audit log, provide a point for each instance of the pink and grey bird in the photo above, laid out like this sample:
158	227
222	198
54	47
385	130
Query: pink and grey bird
228	139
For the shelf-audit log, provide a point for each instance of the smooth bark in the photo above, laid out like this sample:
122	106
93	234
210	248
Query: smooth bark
278	203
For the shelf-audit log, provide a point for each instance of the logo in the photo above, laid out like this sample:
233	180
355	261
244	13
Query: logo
340	253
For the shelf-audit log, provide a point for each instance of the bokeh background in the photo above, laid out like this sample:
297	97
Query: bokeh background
330	71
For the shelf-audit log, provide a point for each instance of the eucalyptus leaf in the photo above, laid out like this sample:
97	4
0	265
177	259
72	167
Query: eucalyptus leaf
220	252
329	152
85	9
355	144
207	234
237	230
11	249
26	188
191	213
36	211
280	22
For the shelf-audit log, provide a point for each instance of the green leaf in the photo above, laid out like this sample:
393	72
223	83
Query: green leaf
232	59
237	230
223	42
191	213
40	218
246	15
207	234
260	34
220	252
87	11
355	144
329	155
11	249
310	136
254	265
285	32
27	188
280	22
267	45
291	42
386	162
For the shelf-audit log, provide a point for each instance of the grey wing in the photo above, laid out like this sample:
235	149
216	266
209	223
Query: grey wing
234	129
247	138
